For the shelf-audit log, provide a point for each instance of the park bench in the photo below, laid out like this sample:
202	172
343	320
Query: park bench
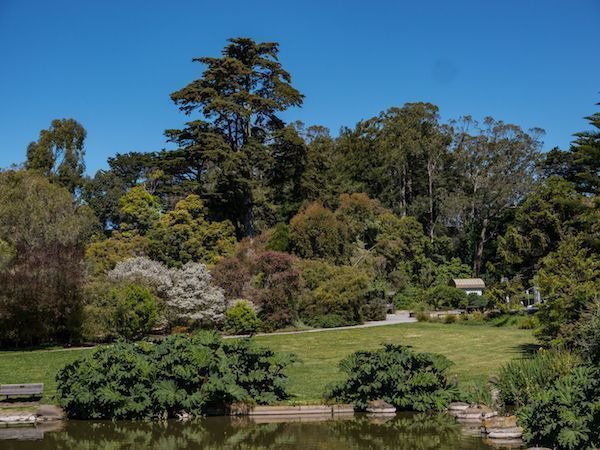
21	390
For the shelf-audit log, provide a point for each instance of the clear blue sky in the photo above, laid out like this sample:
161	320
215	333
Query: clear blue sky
112	64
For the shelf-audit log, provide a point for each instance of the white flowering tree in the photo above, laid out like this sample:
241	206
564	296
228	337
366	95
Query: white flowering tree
193	297
187	292
144	271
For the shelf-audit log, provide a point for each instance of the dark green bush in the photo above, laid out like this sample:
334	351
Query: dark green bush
475	301
376	306
445	297
396	374
326	321
181	373
279	241
521	380
565	415
584	337
241	319
342	294
135	311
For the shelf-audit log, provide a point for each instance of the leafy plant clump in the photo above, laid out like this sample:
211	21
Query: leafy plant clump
521	380
194	374
394	373
241	318
566	415
135	311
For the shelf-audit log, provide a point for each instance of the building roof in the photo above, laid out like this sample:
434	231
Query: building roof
469	283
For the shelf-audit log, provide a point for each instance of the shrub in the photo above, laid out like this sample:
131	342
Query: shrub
475	301
241	319
445	297
450	318
521	380
477	393
268	279
135	311
88	390
326	321
193	298
565	415
188	292
344	295
181	373
397	375
186	235
376	306
423	316
315	232
276	286
406	299
585	336
279	240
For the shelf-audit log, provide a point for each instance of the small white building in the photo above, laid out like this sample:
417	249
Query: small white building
469	285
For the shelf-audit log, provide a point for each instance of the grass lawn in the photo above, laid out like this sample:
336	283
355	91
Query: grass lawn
477	351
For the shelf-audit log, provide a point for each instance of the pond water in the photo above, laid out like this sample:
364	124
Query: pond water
415	432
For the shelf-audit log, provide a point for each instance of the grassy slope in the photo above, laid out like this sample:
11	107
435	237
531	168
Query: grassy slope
477	351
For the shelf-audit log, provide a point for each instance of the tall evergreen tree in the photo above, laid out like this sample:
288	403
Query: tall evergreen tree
239	97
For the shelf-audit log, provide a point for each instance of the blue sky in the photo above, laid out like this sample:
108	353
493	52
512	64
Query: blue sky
112	64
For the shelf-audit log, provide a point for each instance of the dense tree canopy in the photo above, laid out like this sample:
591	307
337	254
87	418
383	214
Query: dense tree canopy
301	224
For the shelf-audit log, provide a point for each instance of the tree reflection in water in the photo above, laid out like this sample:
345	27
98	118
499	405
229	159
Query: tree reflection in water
405	431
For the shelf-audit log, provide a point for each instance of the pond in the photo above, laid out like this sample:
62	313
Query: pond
404	431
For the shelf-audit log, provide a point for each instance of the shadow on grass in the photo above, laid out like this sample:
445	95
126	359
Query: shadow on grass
527	350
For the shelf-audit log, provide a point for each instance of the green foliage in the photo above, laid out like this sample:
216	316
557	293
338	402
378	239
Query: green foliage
584	337
224	150
547	216
181	373
42	233
315	232
342	293
408	380
279	241
445	297
184	234
476	393
139	210
569	280
566	414
241	318
476	301
102	255
136	311
59	153
359	213
521	380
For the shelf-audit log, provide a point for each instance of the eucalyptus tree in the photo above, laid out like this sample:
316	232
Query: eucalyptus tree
400	157
238	97
59	152
498	163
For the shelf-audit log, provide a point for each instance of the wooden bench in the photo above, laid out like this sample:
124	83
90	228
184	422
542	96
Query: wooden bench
22	390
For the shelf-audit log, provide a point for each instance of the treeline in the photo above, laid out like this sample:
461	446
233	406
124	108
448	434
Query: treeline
305	226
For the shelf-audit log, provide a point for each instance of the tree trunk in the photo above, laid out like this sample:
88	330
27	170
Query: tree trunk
478	257
430	185
248	218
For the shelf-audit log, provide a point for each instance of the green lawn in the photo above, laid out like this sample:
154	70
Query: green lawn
477	351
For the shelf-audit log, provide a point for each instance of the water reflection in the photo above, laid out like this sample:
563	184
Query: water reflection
416	432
